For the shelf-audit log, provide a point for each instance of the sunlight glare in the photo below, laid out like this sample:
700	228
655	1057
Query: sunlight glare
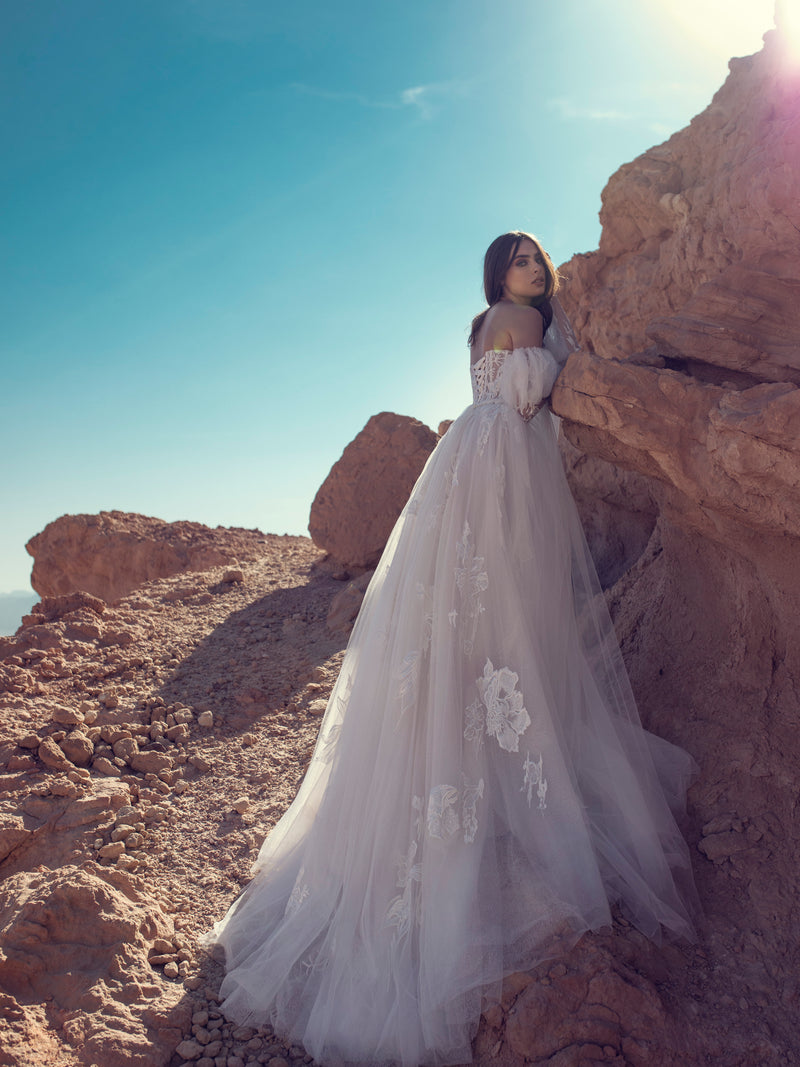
787	19
720	28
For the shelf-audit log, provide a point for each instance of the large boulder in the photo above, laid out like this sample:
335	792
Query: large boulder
359	502
79	938
114	552
687	390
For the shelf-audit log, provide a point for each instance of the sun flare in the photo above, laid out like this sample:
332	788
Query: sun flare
720	28
787	19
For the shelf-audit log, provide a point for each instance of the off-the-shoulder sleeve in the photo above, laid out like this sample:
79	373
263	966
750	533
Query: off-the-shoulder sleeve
527	377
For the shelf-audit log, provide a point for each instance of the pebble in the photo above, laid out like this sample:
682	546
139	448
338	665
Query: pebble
241	805
206	719
171	970
112	850
189	1050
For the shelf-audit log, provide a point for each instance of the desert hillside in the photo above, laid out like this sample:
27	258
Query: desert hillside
160	703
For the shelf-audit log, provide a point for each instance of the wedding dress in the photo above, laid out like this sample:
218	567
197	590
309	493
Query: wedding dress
482	790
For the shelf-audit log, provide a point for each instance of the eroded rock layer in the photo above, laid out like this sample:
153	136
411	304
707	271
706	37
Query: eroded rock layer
682	419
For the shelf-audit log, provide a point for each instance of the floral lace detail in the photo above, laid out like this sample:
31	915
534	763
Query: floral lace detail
452	475
297	896
327	744
442	818
506	717
484	372
488	417
532	776
425	594
399	912
471	580
469	818
408	681
475	723
434	515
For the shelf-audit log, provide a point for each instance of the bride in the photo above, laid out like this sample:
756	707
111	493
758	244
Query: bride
482	791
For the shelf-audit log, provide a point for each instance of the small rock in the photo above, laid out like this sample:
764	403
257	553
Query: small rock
105	766
151	762
317	707
62	787
241	805
29	741
21	763
52	756
319	674
180	786
189	1050
66	716
205	718
171	970
77	748
200	764
112	850
89	714
108	698
126	748
233	575
127	814
248	740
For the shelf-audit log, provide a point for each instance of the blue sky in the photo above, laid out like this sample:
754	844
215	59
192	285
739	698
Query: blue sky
234	230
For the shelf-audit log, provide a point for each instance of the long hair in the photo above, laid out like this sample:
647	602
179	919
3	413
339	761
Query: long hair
496	262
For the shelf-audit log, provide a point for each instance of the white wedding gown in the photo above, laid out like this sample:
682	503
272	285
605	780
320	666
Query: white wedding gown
482	789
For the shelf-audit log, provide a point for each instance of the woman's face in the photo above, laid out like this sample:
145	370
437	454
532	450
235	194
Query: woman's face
526	278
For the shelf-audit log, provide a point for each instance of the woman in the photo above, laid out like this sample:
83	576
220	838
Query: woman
481	790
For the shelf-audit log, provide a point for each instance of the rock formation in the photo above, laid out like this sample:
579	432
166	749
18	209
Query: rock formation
112	553
150	744
684	406
359	502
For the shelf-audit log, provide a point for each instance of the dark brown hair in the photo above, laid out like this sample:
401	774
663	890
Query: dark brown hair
496	262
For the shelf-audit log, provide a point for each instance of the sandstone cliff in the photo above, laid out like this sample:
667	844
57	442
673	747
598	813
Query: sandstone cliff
684	408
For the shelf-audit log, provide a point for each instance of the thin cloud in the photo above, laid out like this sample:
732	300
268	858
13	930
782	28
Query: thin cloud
567	110
419	98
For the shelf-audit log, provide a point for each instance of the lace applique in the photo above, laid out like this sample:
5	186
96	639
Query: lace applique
469	818
399	911
408	679
475	723
417	804
471	580
452	475
485	371
532	776
452	616
506	717
485	428
425	594
328	744
434	514
442	818
297	896
412	507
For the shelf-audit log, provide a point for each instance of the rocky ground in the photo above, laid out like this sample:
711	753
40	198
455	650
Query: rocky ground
147	750
149	747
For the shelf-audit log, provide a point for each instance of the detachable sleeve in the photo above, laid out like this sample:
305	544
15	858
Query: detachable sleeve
526	378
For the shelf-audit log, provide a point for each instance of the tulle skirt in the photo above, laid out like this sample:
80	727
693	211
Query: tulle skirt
482	790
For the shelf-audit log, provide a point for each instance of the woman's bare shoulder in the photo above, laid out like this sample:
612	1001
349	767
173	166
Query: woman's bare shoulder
513	326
